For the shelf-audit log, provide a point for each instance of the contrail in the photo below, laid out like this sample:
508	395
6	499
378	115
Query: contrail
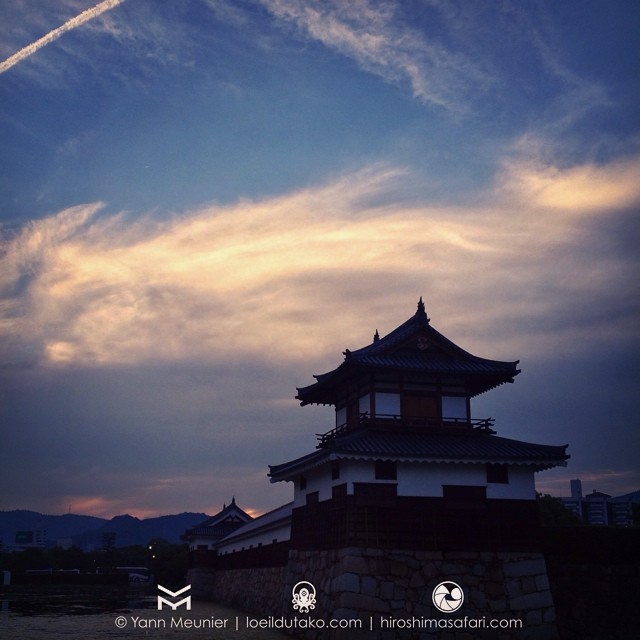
80	19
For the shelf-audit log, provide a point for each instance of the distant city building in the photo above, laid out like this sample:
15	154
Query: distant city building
576	489
599	508
35	538
64	543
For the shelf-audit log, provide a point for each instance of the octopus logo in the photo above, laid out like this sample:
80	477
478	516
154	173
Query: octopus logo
447	597
304	597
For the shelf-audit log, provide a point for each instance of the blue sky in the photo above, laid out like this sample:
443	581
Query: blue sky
205	202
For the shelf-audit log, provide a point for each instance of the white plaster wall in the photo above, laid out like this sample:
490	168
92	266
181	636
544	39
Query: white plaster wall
388	404
205	542
278	533
416	479
318	479
341	416
421	480
521	485
454	407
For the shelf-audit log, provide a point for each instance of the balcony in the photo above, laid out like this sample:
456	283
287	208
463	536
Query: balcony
388	421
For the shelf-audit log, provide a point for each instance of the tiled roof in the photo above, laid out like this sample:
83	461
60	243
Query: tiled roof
228	519
437	363
414	346
463	446
426	445
265	521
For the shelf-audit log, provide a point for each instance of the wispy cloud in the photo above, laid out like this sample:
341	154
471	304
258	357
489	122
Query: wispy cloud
253	277
53	35
381	43
580	189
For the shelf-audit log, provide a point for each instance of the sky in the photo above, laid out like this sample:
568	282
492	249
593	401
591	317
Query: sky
203	203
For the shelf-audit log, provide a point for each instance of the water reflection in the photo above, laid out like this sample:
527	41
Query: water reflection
34	601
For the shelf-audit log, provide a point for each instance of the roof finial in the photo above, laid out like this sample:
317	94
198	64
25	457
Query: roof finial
233	500
376	336
421	309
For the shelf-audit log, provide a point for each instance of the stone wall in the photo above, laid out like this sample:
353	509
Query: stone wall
263	591
390	591
595	581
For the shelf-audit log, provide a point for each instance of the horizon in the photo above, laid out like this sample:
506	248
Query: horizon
256	514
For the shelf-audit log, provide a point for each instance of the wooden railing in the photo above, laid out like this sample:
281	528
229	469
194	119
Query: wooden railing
417	422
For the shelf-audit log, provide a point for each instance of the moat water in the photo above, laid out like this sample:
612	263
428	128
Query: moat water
35	613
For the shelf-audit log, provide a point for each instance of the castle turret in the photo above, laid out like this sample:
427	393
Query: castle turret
407	463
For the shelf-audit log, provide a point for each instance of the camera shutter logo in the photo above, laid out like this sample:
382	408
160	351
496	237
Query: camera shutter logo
174	605
304	596
447	597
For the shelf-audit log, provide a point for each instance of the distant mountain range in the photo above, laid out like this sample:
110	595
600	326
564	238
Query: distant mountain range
86	531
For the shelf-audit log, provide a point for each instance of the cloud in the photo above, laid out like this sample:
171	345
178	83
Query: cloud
261	277
52	36
581	189
382	43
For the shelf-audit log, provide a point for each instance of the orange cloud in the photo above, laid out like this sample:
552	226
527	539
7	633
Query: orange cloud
262	277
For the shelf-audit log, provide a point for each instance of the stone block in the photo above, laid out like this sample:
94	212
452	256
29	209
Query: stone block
542	582
525	567
399	593
495	589
461	555
345	614
533	618
538	600
478	599
429	570
363	603
529	584
498	606
358	564
397	569
452	569
368	585
495	572
470	581
417	581
513	589
386	590
346	582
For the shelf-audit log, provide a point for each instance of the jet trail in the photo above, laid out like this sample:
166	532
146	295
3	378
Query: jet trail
79	20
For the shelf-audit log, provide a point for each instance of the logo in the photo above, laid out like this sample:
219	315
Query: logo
304	596
174	605
448	597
